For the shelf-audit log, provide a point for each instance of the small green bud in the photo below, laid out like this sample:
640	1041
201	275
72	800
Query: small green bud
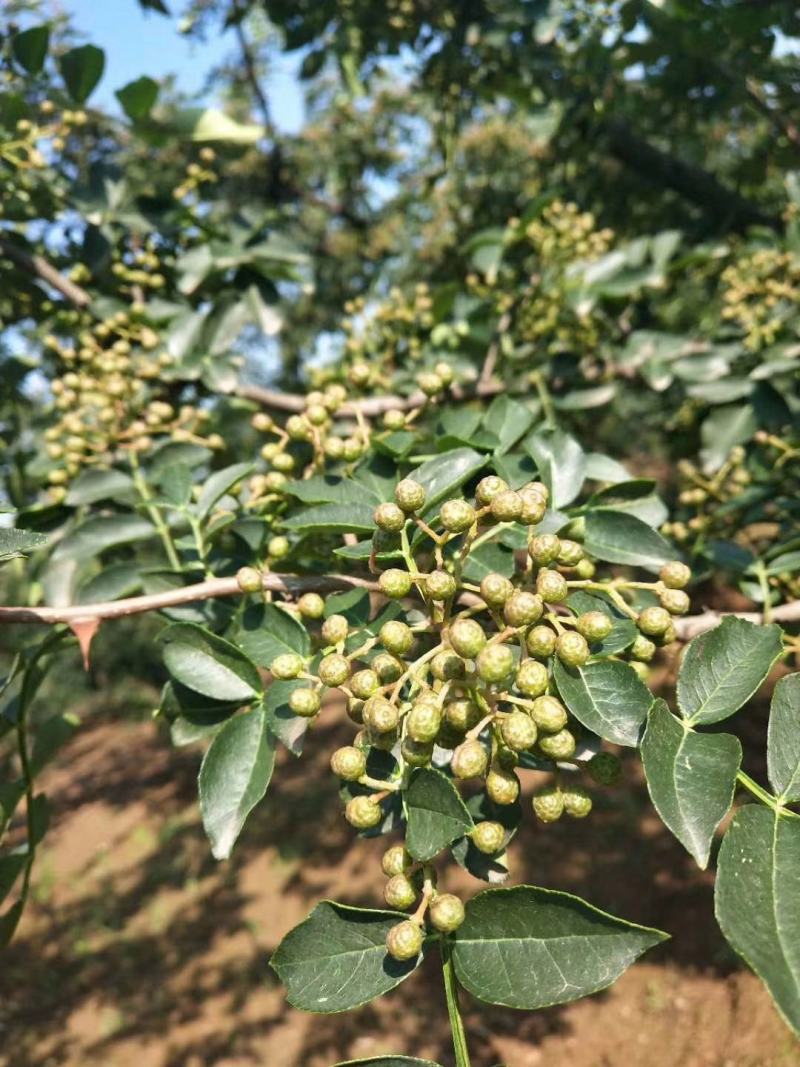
594	625
541	641
389	517
605	768
349	763
394	420
457	516
439	585
532	678
518	731
543	548
446	912
570	553
488	837
549	714
298	428
560	746
654	621
249	580
287	665
462	714
577	802
283	463
395	583
675	601
380	715
409	495
675	575
494	663
488	488
335	629
363	812
404	941
552	586
502	786
430	383
364	683
467	638
642	649
585	569
396	860
400	892
572	649
396	637
469	760
423	722
506	506
523	608
534	507
445	371
311	606
278	547
548	804
387	667
496	589
304	702
447	666
334	670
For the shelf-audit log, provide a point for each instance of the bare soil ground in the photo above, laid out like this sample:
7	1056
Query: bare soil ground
140	951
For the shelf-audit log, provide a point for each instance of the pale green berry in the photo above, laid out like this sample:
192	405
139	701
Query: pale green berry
496	589
388	667
364	683
488	488
278	547
543	548
541	641
430	383
642	649
408	494
363	812
506	506
457	516
560	746
534	507
334	670
532	678
469	760
389	517
394	420
400	892
549	714
249	580
287	665
488	837
423	722
446	912
494	663
654	621
572	649
502	786
416	753
311	606
305	702
548	804
552	586
380	715
605	768
395	583
570	553
446	666
404	941
577	802
396	860
518	731
467	637
675	575
676	601
523	608
462	714
335	629
439	585
349	763
396	637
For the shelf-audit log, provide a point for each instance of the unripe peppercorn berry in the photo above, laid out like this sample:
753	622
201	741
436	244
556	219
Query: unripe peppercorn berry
363	812
430	383
675	575
278	547
552	586
446	666
333	447
334	670
585	569
439	585
605	768
389	517
654	621
423	722
532	678
409	495
594	625
642	649
311	606
467	638
396	637
249	580
541	641
335	629
675	601
518	731
494	663
543	548
488	837
557	746
395	583
394	420
640	669
364	683
349	763
287	665
457	515
549	714
577	802
396	860
488	488
387	667
446	913
534	507
502	786
399	892
462	714
469	760
416	753
304	702
380	716
570	553
572	649
548	804
496	589
404	941
506	506
523	608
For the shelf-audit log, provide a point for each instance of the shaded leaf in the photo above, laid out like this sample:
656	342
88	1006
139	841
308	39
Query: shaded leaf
607	697
617	537
82	68
435	812
783	744
208	664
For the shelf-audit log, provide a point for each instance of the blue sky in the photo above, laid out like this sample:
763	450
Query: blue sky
137	42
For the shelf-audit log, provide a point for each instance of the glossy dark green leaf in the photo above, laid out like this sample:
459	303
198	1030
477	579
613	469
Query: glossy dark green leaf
444	474
608	697
30	47
218	484
723	668
691	778
509	420
8	923
333	518
757	901
82	68
331	489
783	739
489	868
96	484
637	497
561	463
266	631
435	812
617	537
336	959
138	97
354	604
176	484
530	948
116	580
290	729
208	664
234	777
488	558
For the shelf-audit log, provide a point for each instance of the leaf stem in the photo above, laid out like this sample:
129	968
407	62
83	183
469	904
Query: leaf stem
155	515
537	380
762	795
453	1011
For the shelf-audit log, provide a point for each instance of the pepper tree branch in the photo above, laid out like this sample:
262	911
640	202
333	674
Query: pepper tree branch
40	268
370	406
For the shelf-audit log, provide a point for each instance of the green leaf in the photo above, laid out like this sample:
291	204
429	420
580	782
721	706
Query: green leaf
8	923
234	777
354	604
336	959
561	462
620	538
691	778
30	47
14	543
82	68
636	497
176	484
435	812
624	631
724	428
531	948
607	696
138	97
331	489
95	484
50	736
509	420
442	475
723	668
11	867
783	744
333	518
290	729
602	468
266	631
488	558
208	664
757	901
218	484
100	533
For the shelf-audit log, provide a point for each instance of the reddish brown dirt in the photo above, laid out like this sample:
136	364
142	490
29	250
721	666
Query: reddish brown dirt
140	951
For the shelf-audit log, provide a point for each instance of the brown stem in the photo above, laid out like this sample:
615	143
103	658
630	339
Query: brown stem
40	268
370	406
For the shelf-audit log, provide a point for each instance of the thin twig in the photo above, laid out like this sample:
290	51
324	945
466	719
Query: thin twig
370	406
40	268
